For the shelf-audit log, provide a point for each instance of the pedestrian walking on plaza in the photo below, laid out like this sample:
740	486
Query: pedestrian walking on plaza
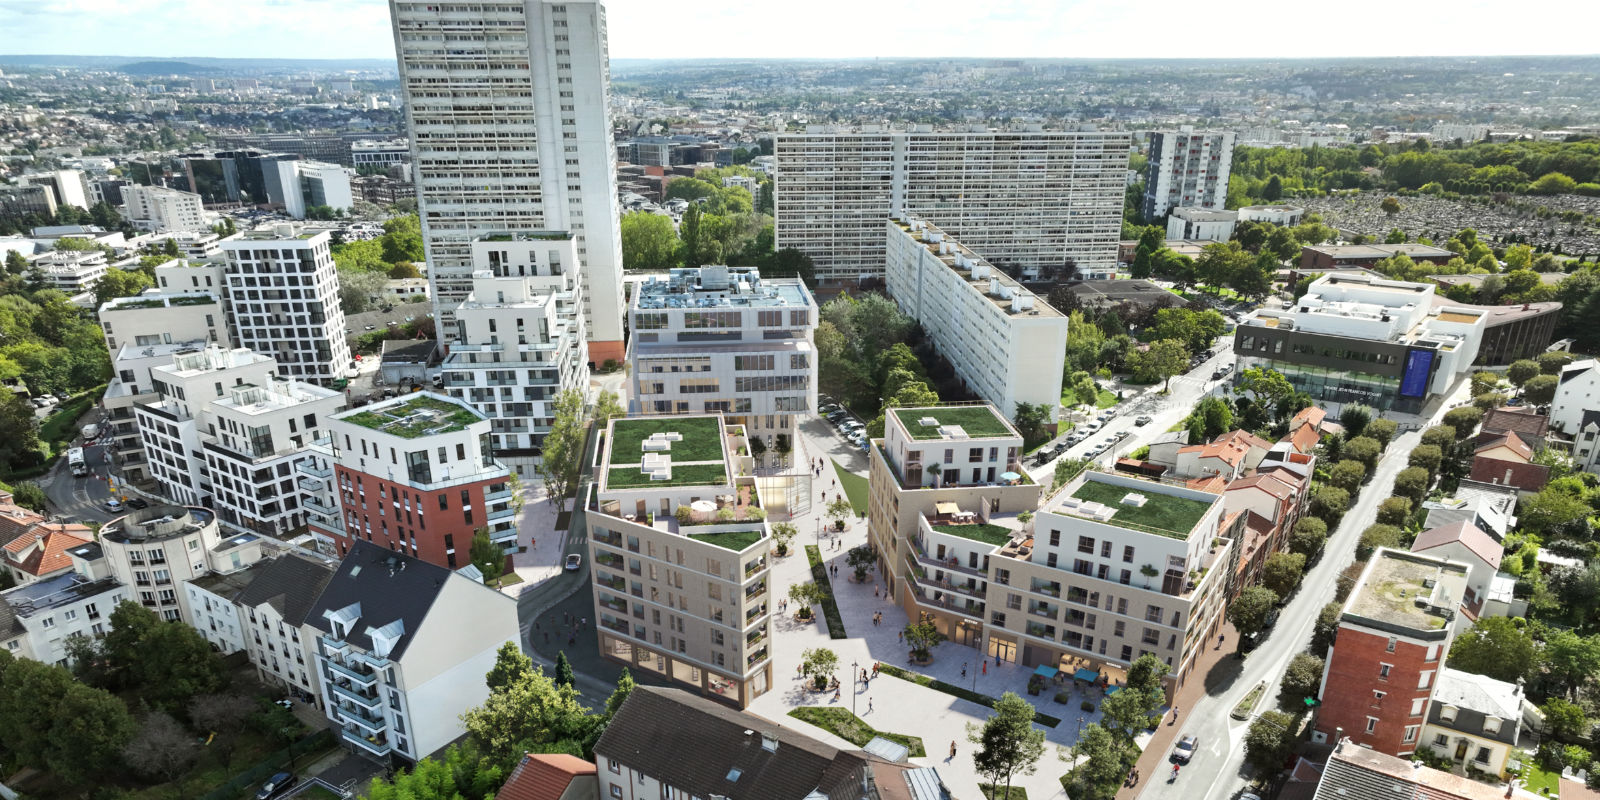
869	705
986	668
952	750
901	635
963	669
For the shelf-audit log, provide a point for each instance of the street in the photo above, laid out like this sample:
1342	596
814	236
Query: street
79	499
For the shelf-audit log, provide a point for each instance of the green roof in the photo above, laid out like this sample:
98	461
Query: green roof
408	419
702	438
736	541
980	532
1164	514
633	477
979	421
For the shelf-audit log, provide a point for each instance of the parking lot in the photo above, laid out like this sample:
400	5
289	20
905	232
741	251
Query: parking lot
849	426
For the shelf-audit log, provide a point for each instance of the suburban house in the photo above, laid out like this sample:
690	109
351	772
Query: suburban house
1464	543
550	776
1507	460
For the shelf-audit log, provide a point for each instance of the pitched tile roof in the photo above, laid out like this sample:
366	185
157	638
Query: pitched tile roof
1310	415
42	549
290	584
1500	472
386	587
15	519
1268	482
1511	441
1356	772
543	776
1304	438
1473	538
726	742
1519	420
1210	483
1231	447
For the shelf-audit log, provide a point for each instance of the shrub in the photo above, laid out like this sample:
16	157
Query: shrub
1374	537
1428	457
1382	430
1394	511
1412	483
1063	697
1347	475
1087	706
1363	449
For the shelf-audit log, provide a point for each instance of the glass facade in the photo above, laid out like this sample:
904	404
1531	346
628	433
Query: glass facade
1341	386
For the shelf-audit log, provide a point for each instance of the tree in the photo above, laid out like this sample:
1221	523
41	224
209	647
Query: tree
1564	721
1464	420
839	510
488	557
534	714
1520	372
1390	206
359	289
1553	363
27	494
1412	483
1282	572
175	664
1164	359
404	270
1354	418
1327	626
861	559
53	723
1269	741
1496	647
1103	764
120	283
1484	382
161	748
402	239
1308	537
1540	389
1347	475
1394	511
1249	611
782	534
1007	743
806	595
1427	457
1328	503
922	637
649	242
1301	679
1440	436
819	664
1376	536
1382	431
1210	418
1265	386
224	715
1572	661
1552	183
511	666
563	447
564	675
607	407
462	774
1030	420
1552	507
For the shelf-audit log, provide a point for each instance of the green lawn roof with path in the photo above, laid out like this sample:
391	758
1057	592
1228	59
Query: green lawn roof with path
702	438
1164	514
682	475
736	541
980	421
400	419
979	532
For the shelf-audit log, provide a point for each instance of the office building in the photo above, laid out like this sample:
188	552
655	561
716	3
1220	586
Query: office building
416	474
1282	216
510	130
1187	168
718	340
283	293
1510	333
68	187
338	148
17	202
1027	199
1189	222
679	545
159	209
1360	339
386	697
520	339
155	551
71	272
1007	344
1393	633
379	154
307	184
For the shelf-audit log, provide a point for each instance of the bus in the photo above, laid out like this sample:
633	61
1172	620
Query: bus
75	459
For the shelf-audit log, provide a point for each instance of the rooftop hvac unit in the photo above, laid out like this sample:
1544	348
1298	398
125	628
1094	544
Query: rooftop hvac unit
1022	302
979	271
994	286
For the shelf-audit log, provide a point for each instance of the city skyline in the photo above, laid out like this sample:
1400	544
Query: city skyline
900	29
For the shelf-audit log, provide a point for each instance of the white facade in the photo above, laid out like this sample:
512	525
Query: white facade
209	608
372	153
510	130
68	186
283	293
158	318
1466	132
155	551
1277	215
1027	198
1007	344
47	613
71	271
717	340
1187	168
749	184
180	276
1575	411
159	209
520	339
1201	223
321	184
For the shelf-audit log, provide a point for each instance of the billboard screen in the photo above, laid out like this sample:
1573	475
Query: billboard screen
1419	363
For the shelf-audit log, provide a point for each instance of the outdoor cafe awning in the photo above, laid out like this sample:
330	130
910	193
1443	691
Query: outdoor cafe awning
1046	670
946	509
1086	675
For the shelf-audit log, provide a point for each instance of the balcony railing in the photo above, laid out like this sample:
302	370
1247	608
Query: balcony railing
490	497
614	604
1041	631
308	467
952	564
377	745
363	679
369	721
618	625
756	658
610	582
349	693
501	513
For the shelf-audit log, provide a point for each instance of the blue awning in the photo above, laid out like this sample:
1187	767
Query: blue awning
1046	670
1086	675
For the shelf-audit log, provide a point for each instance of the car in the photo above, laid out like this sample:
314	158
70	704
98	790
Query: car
1185	749
369	327
391	323
1089	427
574	561
852	426
276	785
113	505
1142	420
1515	401
1098	449
348	331
138	503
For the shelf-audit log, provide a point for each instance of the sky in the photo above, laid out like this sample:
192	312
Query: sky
834	28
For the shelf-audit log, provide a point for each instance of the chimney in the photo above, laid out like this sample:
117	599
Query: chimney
769	742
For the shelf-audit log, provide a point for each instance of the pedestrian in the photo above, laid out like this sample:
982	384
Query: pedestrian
985	668
901	636
874	591
963	669
952	749
874	669
869	705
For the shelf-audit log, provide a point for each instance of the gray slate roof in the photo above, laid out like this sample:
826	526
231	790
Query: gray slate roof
290	584
388	586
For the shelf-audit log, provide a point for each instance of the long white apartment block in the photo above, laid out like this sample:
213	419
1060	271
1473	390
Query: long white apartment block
283	292
157	317
711	339
70	271
1187	168
1005	342
159	209
510	130
1026	198
519	340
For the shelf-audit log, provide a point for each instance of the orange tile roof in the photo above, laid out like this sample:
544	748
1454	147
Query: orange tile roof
1266	482
543	776
1212	484
1310	415
15	519
1510	441
1304	439
50	556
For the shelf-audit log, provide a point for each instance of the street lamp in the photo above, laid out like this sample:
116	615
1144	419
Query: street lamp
855	667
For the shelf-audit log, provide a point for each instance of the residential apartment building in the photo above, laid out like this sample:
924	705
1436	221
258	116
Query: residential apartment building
157	317
131	386
1189	222
155	551
747	183
520	338
283	293
416	474
1031	199
679	548
1575	412
715	339
208	605
510	130
1187	168
1393	633
159	209
394	660
1362	339
1007	344
1355	771
38	619
70	271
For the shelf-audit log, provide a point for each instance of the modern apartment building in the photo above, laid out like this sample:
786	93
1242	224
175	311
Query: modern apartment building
68	187
1030	199
520	338
132	385
1007	344
156	550
416	474
679	545
510	130
1187	168
283	293
1575	412
1362	339
157	317
718	340
1394	631
159	209
402	650
37	619
380	154
70	271
1190	223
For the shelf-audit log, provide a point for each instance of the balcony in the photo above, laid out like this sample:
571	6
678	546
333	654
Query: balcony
618	625
753	567
503	494
610	582
756	591
370	722
951	564
754	612
316	506
755	638
501	513
1041	631
346	692
377	745
755	658
363	679
605	559
309	467
614	604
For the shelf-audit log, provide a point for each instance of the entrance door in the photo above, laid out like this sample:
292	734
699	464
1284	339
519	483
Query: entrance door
1002	649
968	634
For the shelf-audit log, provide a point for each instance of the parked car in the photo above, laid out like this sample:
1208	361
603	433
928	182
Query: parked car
1185	749
574	561
276	785
114	505
369	327
138	502
1142	420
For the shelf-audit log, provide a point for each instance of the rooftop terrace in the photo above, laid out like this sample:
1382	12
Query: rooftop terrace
1147	510
414	416
718	286
975	421
1408	590
666	451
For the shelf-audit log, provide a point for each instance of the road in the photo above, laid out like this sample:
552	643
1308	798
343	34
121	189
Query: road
79	499
1220	762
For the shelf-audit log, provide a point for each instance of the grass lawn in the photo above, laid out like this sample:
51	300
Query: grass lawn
830	606
855	488
1536	778
977	421
992	792
682	475
853	729
983	532
446	417
1105	399
702	438
510	579
1164	514
736	541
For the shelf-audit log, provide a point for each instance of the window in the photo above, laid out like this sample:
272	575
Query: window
1424	679
1416	706
1390	648
616	791
1411	733
1483	755
1448	713
1372	724
1491	724
1085	544
1441	740
1383	671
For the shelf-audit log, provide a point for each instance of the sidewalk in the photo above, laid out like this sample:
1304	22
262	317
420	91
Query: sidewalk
545	545
1215	667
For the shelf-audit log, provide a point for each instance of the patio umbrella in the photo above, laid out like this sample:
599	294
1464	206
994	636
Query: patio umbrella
1046	670
1009	476
1086	675
703	507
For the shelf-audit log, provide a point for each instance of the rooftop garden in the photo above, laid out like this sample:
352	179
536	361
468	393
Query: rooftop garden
979	421
702	438
418	416
126	303
977	532
193	300
736	541
1164	514
682	475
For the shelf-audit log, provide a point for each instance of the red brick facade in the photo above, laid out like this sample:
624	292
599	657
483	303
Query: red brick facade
1356	674
435	526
